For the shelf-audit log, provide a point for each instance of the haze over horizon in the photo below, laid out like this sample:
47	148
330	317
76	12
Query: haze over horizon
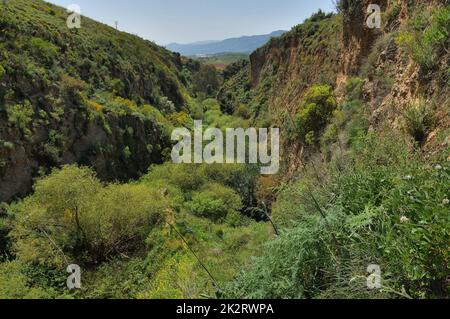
178	21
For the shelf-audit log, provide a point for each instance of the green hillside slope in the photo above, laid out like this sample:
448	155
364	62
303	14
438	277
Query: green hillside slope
90	95
365	119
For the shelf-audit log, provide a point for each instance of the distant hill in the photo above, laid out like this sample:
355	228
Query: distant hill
245	44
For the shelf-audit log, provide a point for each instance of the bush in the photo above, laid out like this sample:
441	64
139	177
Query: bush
21	115
288	269
122	106
418	120
243	111
386	206
315	111
189	179
427	38
166	105
43	50
91	224
71	88
214	202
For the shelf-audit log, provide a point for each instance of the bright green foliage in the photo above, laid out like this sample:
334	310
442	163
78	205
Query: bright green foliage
122	235
15	284
105	59
365	199
92	81
213	117
179	275
427	37
387	207
43	50
21	115
185	180
2	72
215	202
92	224
315	111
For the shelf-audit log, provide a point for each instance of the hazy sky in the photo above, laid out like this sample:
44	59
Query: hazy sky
184	21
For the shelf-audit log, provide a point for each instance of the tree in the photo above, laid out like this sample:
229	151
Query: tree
206	81
72	217
315	111
215	202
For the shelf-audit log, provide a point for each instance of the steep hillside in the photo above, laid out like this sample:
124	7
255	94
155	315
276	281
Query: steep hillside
394	65
360	208
365	118
106	103
274	82
91	96
279	72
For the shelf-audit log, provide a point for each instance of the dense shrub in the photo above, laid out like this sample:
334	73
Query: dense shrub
15	284
427	37
91	225
243	111
43	50
21	115
315	111
71	88
418	120
386	206
215	202
206	81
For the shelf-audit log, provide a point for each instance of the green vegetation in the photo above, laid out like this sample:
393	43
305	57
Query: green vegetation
418	120
206	81
91	85
369	196
94	222
315	111
317	61
221	60
215	202
427	37
236	87
104	228
21	115
358	188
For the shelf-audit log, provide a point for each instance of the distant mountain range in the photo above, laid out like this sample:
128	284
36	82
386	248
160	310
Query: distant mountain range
245	44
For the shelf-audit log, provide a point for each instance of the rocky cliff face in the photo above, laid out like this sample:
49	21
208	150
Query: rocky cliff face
395	80
123	150
334	49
